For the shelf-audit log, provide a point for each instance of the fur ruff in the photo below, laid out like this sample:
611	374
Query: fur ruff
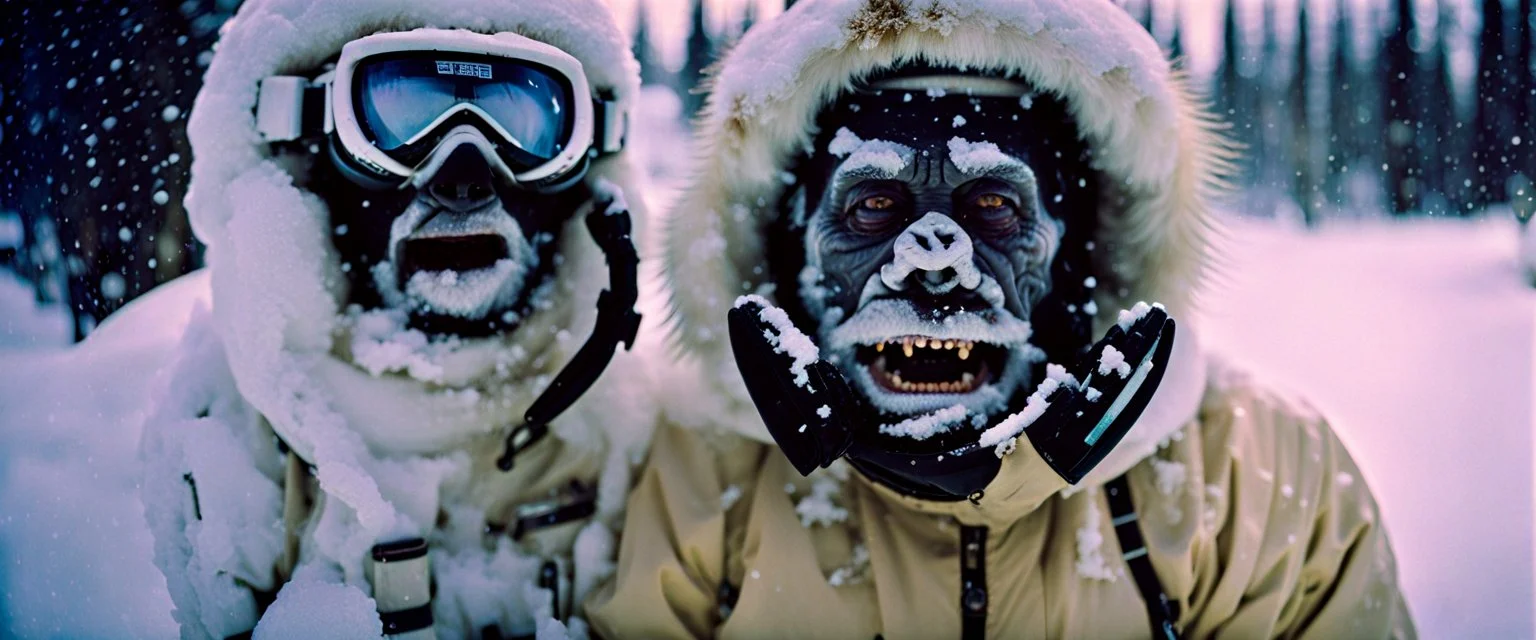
1161	155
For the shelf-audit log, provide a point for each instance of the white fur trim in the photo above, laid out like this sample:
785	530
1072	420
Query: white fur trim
1159	152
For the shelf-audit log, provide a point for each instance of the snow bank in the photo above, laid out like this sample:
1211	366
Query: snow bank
75	554
24	324
1365	320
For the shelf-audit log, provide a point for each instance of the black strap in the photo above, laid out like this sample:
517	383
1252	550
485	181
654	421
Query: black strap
406	620
1162	611
577	504
549	580
973	582
617	322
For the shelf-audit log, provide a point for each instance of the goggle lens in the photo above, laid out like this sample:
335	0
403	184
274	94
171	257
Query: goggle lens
400	101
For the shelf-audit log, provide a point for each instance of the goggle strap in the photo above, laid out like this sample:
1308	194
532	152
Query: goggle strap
292	108
610	126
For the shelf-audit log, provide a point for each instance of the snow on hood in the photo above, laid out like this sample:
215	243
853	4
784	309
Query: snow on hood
1158	151
278	290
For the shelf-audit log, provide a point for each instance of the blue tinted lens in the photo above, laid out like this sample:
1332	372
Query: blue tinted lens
399	99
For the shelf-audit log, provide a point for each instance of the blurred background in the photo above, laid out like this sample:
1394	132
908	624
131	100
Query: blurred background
1348	109
1375	260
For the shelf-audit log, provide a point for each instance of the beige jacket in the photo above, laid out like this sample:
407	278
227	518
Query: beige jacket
1256	520
1257	523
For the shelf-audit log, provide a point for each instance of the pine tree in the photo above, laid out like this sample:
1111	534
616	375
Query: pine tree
1342	97
1523	194
1304	187
1437	110
1492	142
701	54
1268	96
1401	153
1227	78
651	71
1176	42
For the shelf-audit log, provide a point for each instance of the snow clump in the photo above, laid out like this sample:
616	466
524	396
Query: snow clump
789	340
1113	360
1005	432
820	508
925	426
878	158
1090	545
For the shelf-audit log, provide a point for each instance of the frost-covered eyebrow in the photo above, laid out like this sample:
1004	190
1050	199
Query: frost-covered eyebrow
985	160
872	159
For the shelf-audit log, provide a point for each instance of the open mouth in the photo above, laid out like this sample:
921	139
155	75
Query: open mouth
457	253
927	365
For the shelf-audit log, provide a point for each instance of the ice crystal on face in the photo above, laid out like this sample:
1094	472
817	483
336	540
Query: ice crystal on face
925	426
868	158
977	158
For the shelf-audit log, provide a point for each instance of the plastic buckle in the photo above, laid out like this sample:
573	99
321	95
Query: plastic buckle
523	436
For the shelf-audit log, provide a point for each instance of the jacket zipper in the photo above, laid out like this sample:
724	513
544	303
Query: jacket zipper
973	582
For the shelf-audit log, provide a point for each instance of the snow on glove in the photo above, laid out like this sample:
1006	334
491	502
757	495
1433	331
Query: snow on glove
1076	418
804	401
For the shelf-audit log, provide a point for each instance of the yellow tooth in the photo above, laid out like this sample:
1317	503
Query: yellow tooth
967	379
879	346
896	379
945	387
949	344
906	346
921	342
965	352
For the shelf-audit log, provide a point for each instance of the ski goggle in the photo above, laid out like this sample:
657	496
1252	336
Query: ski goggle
394	98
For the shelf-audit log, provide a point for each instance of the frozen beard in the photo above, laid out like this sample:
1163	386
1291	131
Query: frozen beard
459	266
932	219
465	255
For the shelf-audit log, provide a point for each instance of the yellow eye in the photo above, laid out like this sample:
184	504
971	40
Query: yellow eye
878	203
991	201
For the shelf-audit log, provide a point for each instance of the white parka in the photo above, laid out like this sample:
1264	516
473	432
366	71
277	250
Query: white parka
295	435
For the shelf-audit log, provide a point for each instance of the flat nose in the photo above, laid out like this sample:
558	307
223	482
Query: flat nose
935	252
463	182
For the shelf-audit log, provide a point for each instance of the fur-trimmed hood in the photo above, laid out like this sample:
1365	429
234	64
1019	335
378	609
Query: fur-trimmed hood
1157	150
278	288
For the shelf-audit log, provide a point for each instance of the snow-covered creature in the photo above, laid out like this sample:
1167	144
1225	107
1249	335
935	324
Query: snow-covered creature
902	261
421	260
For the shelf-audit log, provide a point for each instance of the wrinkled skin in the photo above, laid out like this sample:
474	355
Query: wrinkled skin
372	230
957	229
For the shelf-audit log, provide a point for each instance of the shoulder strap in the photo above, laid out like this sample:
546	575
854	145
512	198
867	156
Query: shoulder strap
1161	611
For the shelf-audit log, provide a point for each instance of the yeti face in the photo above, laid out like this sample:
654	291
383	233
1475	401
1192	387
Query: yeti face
928	245
463	255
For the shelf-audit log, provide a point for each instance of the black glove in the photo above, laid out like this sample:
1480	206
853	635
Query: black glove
1084	422
788	408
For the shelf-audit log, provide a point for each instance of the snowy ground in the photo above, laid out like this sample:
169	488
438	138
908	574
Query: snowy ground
1416	338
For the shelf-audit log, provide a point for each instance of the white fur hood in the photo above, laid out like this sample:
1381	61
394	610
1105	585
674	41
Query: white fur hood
1156	148
278	291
